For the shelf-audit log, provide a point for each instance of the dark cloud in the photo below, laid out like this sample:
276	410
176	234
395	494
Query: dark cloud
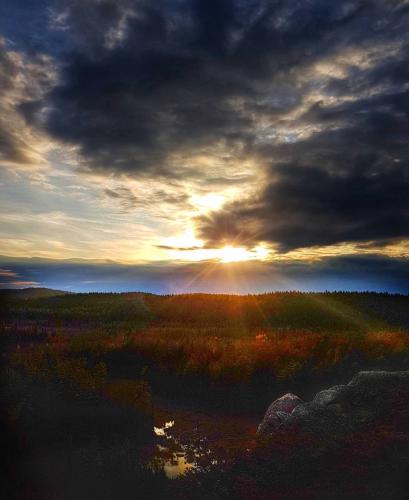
182	76
347	180
91	24
309	206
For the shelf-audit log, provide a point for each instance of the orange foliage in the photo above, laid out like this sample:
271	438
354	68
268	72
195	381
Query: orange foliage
226	358
378	343
205	351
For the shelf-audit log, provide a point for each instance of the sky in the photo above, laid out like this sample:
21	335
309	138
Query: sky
204	145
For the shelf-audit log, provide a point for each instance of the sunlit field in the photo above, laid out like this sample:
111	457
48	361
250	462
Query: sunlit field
231	341
258	330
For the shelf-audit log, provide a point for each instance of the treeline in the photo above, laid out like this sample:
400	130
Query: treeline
234	315
76	309
267	342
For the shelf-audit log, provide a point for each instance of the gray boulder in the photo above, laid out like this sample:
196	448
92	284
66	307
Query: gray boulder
343	409
277	413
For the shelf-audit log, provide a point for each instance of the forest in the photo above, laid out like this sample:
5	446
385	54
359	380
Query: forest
93	373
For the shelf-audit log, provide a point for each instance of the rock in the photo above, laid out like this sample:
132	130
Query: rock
343	409
277	413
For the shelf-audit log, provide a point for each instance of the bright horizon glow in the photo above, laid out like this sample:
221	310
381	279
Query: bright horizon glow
223	255
234	254
187	247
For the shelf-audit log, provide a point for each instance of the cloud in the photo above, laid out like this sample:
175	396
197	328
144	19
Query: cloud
125	195
23	80
141	197
314	96
92	24
340	171
311	206
10	279
7	273
180	249
188	77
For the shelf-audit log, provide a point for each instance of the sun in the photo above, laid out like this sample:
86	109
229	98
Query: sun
234	254
187	247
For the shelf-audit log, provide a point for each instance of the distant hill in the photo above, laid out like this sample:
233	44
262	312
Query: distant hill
30	293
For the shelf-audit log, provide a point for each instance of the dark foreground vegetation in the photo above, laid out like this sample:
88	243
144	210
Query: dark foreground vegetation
83	372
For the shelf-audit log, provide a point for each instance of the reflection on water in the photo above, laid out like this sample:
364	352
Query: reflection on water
161	431
188	440
177	458
177	466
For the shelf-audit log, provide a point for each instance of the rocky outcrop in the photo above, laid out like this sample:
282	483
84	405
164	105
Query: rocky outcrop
277	413
342	409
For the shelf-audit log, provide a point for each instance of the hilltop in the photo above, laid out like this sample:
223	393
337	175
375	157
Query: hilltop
29	293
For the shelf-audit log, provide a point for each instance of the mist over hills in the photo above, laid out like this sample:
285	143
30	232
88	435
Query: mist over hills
345	273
